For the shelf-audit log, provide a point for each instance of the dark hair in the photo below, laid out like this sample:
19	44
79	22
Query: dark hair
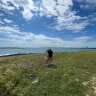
49	49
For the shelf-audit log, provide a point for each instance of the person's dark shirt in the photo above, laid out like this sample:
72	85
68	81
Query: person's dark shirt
50	52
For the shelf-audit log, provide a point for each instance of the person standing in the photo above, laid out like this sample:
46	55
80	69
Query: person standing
50	55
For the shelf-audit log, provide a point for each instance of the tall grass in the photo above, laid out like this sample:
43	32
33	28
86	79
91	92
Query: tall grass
26	75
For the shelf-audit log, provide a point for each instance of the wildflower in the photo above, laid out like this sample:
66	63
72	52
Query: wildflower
87	72
76	79
35	81
85	83
65	75
47	72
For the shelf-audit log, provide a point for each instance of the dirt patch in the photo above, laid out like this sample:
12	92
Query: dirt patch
94	85
92	89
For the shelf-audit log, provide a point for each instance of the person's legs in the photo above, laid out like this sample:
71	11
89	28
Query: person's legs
46	61
50	60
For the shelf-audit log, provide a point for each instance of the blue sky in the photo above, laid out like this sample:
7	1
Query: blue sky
47	23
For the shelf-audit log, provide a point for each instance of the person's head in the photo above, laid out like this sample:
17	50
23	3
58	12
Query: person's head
49	49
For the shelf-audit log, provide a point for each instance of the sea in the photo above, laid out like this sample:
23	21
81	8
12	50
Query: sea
9	51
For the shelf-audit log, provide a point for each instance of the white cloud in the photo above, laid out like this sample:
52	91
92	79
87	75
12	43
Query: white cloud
27	14
65	2
61	10
8	21
16	38
6	6
86	1
84	38
65	17
27	5
87	4
1	22
72	22
92	17
77	26
47	7
91	2
7	29
13	35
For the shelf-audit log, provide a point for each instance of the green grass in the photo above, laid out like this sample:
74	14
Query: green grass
26	75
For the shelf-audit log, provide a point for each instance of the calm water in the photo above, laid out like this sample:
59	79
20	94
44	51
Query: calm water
6	51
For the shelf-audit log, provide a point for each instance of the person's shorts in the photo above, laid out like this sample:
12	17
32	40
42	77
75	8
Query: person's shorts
50	58
46	58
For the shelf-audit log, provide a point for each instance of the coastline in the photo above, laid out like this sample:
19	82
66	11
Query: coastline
23	51
7	55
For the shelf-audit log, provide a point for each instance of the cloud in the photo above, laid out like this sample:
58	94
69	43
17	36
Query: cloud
84	38
6	7
64	17
8	21
72	22
92	17
27	14
87	4
87	1
8	29
77	26
1	22
50	8
47	8
84	6
65	3
14	38
27	5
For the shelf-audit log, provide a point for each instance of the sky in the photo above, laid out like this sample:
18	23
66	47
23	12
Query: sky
47	23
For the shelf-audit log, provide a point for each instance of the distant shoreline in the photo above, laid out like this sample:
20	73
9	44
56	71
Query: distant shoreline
21	51
7	55
45	47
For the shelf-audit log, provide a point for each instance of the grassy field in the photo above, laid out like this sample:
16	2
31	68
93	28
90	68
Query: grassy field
70	74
